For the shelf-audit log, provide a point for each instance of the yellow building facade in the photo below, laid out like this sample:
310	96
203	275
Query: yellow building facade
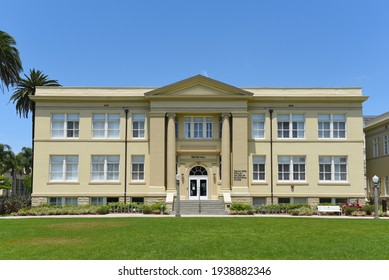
255	145
377	152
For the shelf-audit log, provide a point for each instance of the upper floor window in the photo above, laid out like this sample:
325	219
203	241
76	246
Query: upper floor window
64	168
106	126
291	126
138	126
137	168
386	144
65	125
259	168
105	168
376	147
332	125
198	127
291	168
258	126
333	168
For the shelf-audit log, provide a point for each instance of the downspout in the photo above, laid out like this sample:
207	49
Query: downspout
125	156
271	156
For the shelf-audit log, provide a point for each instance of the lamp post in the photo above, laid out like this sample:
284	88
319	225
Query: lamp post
178	178
376	181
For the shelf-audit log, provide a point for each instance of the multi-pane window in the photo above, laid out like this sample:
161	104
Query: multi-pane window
106	126
291	126
259	168
98	200
386	185
65	125
138	126
63	201
333	168
386	144
291	168
376	147
332	125
64	168
137	168
105	168
258	126
198	127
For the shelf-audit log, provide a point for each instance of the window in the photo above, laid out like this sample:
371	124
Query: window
106	126
105	168
98	200
138	168
259	168
60	201
291	168
198	127
376	147
291	126
386	144
333	168
332	125
65	125
64	168
259	201
258	126
138	126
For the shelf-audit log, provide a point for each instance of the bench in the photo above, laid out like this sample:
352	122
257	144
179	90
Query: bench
329	209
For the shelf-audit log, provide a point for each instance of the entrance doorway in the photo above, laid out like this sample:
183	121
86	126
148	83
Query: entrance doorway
198	183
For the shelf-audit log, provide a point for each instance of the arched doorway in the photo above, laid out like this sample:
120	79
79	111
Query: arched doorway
198	183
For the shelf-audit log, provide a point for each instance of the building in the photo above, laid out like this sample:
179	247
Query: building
254	145
377	152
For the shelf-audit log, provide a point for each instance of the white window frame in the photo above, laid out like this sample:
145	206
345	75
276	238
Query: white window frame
138	126
65	125
335	164
376	147
109	125
198	127
63	165
386	185
289	126
137	168
259	168
258	126
106	165
386	144
292	169
329	126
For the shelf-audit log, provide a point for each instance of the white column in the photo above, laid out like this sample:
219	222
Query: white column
226	152
171	151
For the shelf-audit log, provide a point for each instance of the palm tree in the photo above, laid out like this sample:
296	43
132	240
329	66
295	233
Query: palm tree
4	151
10	63
26	87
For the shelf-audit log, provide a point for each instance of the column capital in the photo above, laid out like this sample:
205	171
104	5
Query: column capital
170	115
226	115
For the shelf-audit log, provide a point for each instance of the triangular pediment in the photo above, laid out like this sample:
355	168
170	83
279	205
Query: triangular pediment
199	86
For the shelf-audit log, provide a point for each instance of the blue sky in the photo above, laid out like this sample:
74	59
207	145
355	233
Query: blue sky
329	43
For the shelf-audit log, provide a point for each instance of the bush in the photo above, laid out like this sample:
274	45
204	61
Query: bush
348	210
44	210
302	211
368	209
147	209
14	203
238	208
103	210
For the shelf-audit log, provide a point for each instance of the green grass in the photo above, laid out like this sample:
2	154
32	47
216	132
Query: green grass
194	238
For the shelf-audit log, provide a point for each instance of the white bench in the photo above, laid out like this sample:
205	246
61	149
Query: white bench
329	209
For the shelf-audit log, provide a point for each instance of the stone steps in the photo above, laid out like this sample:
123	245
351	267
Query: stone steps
202	207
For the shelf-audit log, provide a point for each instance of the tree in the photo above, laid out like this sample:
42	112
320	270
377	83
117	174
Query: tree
24	105
24	159
4	153
10	63
26	87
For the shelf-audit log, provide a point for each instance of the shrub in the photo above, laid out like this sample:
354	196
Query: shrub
369	209
239	208
348	210
14	203
147	209
103	209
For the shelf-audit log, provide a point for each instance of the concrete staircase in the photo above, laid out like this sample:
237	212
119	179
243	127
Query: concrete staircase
202	207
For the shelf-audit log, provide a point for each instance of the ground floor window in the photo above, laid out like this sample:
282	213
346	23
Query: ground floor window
259	201
140	200
61	201
292	200
98	200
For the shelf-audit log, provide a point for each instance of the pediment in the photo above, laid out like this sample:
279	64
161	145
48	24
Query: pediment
199	86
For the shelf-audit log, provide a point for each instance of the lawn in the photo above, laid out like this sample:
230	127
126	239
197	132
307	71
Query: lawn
194	238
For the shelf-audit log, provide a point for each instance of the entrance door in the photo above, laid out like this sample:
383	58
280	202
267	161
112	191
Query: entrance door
198	187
